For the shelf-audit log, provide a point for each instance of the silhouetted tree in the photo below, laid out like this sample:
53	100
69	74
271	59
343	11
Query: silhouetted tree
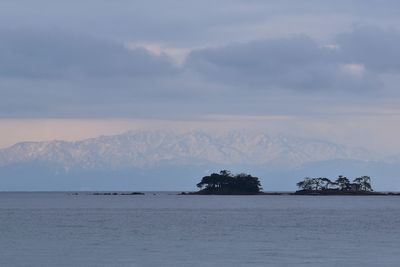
225	182
216	180
343	183
364	183
225	173
306	184
359	184
325	183
314	184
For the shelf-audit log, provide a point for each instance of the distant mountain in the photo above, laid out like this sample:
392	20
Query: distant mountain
148	149
165	160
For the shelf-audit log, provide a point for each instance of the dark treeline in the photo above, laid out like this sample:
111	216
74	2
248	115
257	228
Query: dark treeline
225	182
341	184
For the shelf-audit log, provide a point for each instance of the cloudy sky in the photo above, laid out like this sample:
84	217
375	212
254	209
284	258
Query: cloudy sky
326	69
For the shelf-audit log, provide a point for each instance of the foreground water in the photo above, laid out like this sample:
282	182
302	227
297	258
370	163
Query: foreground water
161	229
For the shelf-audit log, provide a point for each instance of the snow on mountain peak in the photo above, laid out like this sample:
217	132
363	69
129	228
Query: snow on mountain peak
149	148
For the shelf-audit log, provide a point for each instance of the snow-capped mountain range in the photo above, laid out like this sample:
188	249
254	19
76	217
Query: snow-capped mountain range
146	149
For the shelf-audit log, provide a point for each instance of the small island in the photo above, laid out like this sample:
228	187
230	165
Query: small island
341	186
226	183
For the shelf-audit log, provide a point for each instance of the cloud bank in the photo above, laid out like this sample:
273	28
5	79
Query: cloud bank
237	57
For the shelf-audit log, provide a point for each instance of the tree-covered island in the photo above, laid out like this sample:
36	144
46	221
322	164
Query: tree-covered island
340	186
226	183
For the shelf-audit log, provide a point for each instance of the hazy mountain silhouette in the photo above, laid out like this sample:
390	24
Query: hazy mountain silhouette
167	160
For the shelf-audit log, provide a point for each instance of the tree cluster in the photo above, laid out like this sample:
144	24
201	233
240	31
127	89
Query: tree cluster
225	182
342	183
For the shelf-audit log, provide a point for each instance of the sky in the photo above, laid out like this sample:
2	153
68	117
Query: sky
76	69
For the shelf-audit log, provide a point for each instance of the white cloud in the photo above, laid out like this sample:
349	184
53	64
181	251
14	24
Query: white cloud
331	46
176	54
354	69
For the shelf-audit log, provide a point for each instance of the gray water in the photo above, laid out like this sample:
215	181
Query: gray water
60	229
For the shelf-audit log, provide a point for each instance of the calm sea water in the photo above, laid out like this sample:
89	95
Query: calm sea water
161	229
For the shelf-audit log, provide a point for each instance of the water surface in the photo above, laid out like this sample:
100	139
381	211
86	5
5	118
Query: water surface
164	229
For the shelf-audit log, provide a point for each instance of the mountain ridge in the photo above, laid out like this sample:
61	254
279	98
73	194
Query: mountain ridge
145	148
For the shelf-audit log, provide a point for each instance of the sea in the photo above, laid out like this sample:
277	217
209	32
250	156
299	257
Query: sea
167	229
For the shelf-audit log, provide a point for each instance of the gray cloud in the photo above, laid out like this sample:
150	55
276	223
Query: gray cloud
296	63
61	55
50	73
378	49
187	22
68	74
51	54
70	59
